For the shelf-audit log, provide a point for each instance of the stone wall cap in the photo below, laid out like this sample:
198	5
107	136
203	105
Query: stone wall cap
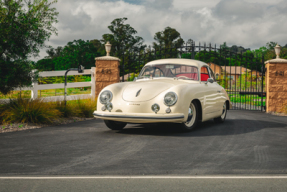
276	61
107	58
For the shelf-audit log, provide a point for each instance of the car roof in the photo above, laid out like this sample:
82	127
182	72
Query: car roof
190	62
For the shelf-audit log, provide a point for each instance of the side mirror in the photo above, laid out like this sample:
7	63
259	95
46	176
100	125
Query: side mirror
210	80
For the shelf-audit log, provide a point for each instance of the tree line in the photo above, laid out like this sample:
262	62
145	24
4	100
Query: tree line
25	25
122	37
126	43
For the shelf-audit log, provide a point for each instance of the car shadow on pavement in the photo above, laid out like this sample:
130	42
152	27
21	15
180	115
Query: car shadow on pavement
208	128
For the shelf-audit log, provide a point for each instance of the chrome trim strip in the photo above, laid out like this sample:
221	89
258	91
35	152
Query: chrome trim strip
139	117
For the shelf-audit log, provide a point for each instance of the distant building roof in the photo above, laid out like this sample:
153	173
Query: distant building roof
235	70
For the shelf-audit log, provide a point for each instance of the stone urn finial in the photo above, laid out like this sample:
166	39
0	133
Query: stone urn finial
277	51
108	48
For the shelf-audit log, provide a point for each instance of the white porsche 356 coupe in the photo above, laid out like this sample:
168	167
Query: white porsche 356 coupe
180	91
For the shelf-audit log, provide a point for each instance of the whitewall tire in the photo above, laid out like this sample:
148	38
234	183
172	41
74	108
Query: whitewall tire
192	119
221	119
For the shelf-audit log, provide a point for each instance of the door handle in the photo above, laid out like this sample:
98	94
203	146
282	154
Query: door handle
218	91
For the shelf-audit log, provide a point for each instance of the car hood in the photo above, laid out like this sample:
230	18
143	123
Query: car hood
147	90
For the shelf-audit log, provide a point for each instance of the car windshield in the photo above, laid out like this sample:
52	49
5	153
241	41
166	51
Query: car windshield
169	70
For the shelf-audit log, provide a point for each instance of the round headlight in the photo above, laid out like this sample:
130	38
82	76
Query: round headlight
106	96
170	98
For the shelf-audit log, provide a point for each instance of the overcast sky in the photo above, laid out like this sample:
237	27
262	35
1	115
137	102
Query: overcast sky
247	23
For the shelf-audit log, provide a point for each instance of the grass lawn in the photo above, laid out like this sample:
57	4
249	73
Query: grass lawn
47	93
248	99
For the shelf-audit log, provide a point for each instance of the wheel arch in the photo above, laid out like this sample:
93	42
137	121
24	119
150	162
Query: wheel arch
228	104
199	108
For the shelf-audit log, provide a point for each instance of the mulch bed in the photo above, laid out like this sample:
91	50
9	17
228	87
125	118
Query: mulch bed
278	114
25	126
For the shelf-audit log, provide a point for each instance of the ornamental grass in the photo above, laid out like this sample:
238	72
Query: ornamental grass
284	108
23	110
68	110
85	108
2	109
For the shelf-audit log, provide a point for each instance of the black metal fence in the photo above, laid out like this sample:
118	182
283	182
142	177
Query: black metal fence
240	73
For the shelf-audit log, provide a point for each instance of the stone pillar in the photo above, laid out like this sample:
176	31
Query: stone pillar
276	84
107	72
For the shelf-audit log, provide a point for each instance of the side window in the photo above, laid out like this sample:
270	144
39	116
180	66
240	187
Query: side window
204	74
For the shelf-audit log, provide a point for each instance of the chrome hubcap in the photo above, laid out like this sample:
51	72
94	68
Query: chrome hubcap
191	115
223	111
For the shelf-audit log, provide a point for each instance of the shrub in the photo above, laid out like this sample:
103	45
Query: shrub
132	76
29	111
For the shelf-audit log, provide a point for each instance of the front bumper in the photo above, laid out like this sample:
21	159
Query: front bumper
140	117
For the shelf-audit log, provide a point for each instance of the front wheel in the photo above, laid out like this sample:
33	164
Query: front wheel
115	125
192	119
221	119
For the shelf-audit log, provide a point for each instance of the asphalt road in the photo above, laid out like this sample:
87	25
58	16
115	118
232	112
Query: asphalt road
144	184
247	143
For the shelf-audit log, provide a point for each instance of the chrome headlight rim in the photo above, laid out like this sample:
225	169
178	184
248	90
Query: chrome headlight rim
174	102
102	102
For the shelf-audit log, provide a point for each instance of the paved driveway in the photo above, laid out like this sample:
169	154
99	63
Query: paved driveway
247	143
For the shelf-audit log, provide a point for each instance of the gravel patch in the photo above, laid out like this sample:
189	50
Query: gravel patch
25	126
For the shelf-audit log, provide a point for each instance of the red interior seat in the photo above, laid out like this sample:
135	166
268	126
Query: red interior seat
204	77
189	75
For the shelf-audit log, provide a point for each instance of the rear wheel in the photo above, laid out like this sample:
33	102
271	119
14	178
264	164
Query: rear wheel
192	119
221	119
115	125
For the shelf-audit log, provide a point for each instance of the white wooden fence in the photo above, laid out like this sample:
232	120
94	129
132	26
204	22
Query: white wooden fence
35	86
